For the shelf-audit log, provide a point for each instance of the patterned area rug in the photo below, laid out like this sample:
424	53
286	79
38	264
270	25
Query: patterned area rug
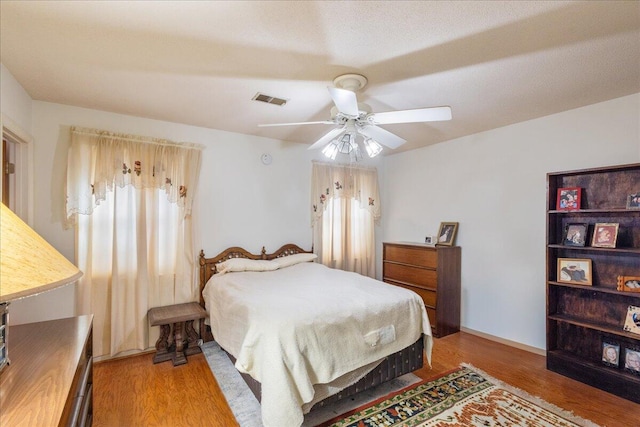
464	397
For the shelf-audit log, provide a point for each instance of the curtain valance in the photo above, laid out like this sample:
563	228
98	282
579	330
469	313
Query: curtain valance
98	160
330	181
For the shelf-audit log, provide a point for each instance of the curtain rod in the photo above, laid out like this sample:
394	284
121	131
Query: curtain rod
136	138
344	165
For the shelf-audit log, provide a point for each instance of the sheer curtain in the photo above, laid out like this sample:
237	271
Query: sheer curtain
130	200
345	205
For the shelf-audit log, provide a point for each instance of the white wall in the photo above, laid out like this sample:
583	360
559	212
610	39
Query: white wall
240	201
494	184
15	102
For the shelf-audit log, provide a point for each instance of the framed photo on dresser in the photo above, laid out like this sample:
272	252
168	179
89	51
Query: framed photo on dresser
447	233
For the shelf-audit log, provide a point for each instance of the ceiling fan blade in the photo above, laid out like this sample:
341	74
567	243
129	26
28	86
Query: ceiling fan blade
326	138
382	136
345	101
323	122
432	114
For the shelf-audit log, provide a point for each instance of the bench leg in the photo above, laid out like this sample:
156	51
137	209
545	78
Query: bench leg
178	332
162	345
192	339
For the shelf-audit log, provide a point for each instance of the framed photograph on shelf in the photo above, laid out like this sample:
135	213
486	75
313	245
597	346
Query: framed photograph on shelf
447	233
632	320
632	360
605	235
610	353
629	283
575	270
575	234
633	201
569	198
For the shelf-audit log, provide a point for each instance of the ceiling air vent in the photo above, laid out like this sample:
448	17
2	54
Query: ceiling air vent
269	99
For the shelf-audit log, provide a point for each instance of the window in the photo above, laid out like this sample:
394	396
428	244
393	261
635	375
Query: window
345	206
130	201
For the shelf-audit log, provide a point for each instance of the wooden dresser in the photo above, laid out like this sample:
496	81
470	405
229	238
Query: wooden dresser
431	272
50	378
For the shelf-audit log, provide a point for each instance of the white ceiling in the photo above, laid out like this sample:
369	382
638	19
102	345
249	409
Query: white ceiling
201	62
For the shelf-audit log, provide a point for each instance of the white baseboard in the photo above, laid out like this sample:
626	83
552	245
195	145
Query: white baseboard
123	355
530	349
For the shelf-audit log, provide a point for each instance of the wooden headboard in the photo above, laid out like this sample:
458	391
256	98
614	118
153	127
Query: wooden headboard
208	265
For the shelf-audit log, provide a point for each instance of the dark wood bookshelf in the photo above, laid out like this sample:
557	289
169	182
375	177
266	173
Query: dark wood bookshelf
581	318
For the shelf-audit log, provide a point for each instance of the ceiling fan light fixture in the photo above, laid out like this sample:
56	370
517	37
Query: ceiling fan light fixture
347	142
331	150
372	147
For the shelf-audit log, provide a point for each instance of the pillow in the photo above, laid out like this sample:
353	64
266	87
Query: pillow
287	261
245	264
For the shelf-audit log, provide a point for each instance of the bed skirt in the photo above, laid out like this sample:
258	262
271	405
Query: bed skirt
403	362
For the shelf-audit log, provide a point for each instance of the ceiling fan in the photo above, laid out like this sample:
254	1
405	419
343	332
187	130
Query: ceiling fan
353	118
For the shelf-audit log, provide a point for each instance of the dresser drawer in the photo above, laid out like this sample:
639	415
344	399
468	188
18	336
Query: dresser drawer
411	275
422	257
428	296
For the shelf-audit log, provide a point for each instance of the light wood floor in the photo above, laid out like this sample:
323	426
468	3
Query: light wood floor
135	392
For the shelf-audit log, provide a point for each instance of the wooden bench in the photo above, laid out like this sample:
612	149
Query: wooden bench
177	338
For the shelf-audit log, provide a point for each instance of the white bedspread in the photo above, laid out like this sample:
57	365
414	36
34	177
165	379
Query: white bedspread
308	324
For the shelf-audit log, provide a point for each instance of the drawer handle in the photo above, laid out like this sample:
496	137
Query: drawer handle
85	378
86	407
75	411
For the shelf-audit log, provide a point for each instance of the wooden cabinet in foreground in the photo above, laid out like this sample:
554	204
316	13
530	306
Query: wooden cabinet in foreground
586	312
431	272
50	378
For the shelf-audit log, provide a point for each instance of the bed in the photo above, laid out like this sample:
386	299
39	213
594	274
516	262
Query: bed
303	334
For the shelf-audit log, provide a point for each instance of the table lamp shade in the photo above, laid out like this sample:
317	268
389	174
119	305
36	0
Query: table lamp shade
28	263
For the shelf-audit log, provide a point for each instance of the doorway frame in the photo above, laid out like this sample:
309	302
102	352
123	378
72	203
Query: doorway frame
24	191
